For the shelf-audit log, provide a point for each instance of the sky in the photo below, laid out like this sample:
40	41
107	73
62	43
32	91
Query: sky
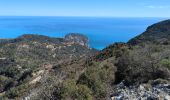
97	8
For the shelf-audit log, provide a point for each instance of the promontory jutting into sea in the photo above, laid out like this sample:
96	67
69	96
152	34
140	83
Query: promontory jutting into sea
100	31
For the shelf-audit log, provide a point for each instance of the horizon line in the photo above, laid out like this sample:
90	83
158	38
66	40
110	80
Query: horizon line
84	16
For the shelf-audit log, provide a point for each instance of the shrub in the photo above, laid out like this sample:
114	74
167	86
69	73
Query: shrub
12	93
84	93
97	77
165	63
3	82
141	64
17	91
70	90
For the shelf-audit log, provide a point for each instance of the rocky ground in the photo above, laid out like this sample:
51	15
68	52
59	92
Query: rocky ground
154	90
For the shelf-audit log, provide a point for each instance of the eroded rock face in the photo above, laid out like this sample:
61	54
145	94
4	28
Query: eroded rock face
77	39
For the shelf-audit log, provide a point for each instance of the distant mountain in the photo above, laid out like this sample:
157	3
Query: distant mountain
156	33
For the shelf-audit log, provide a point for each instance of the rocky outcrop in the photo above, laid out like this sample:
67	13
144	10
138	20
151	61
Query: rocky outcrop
77	38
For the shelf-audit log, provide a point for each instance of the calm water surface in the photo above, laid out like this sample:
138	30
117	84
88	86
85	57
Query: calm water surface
101	31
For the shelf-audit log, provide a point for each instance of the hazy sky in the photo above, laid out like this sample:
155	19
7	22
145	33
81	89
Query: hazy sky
108	8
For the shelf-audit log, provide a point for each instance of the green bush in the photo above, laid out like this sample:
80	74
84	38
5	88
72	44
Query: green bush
17	91
70	90
97	77
83	93
12	93
165	63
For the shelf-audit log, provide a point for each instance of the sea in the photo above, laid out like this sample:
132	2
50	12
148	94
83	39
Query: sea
101	31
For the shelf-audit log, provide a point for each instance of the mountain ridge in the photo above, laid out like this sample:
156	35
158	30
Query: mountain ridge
158	33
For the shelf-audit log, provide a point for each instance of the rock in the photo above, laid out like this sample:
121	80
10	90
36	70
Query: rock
50	47
4	58
141	87
141	92
117	97
167	97
77	39
34	81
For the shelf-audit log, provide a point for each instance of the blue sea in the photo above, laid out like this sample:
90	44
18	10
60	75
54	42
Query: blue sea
101	31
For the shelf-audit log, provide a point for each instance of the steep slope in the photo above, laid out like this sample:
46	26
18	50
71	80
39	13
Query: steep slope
156	33
141	65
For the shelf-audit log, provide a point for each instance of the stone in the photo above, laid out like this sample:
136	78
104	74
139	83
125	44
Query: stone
139	92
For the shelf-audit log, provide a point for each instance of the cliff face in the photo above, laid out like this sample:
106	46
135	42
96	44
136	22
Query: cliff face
77	38
156	33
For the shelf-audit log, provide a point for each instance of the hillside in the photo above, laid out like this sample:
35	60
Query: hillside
40	67
157	33
22	59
